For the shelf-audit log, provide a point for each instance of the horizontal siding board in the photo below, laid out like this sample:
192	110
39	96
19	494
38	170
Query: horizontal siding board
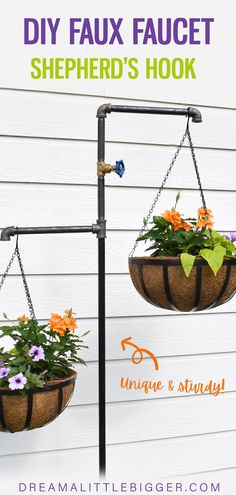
69	254
54	293
177	456
156	420
168	336
119	89
74	117
74	162
145	460
31	205
200	369
226	478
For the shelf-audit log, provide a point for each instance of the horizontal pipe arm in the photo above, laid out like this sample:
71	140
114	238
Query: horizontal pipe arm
9	232
107	108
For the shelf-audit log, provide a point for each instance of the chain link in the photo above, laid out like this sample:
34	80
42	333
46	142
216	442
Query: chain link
147	218
7	269
26	287
196	167
27	292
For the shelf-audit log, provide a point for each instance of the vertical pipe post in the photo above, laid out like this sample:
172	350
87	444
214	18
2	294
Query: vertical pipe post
101	303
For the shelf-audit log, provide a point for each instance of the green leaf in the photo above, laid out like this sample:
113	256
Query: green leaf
145	221
34	380
177	200
214	257
187	261
160	221
42	339
219	239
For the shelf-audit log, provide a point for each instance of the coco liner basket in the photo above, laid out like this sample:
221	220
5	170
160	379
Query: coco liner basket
162	282
38	407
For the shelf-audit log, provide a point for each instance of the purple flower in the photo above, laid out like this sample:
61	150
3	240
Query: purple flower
4	372
231	236
1	364
37	353
17	382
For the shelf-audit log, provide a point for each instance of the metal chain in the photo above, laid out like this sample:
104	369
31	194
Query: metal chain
7	269
147	218
27	292
196	168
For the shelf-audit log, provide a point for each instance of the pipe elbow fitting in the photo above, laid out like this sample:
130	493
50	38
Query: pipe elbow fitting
195	114
103	110
7	233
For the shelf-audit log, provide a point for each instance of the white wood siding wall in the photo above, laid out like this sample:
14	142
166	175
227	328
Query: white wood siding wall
48	177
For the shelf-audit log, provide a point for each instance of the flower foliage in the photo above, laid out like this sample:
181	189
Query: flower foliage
174	235
40	352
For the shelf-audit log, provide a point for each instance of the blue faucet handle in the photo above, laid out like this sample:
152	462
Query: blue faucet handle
120	168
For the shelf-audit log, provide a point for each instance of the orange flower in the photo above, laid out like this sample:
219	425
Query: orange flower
204	218
200	223
56	324
186	226
174	218
204	212
60	324
60	328
177	226
54	320
70	323
209	223
69	320
23	318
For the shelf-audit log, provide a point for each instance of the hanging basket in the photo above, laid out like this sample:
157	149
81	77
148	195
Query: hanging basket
162	282
38	407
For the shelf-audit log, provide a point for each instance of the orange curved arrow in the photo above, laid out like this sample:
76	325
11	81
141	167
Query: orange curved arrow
140	351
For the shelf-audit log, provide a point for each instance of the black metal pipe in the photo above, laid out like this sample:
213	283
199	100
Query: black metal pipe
102	356
102	112
194	113
9	232
101	302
